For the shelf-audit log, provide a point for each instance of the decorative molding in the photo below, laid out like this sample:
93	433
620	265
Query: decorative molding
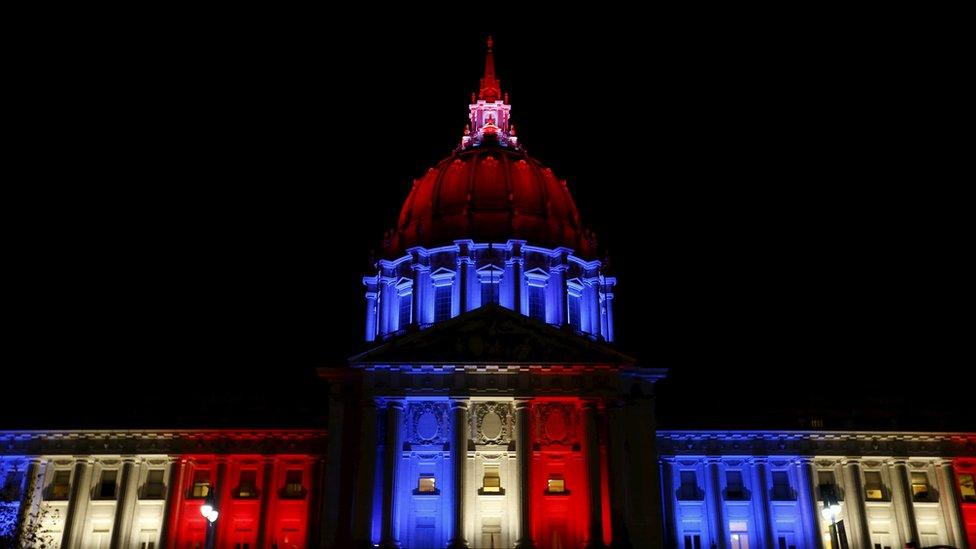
816	443
95	442
421	431
506	417
557	423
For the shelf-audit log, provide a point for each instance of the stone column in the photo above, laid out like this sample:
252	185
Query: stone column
556	288
371	315
315	496
620	538
388	305
126	507
463	268
808	505
267	487
524	456
517	281
417	295
391	459
174	502
74	521
604	330
362	523
33	484
667	496
333	474
221	492
716	503
592	292
459	409
761	501
854	501
595	536
902	495
950	505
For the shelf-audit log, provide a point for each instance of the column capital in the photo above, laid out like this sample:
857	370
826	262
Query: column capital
896	461
522	403
713	460
459	402
393	403
850	461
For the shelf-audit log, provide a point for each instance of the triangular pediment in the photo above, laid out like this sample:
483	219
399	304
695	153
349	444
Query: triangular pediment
443	272
495	335
489	268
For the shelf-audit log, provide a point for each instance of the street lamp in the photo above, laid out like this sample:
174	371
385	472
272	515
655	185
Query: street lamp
830	512
209	512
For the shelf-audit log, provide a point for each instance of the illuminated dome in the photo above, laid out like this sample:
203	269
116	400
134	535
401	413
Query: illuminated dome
489	189
490	193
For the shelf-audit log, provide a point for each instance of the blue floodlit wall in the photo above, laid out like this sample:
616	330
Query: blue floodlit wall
733	501
425	519
13	480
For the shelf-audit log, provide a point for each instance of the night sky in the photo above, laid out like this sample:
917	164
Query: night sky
195	248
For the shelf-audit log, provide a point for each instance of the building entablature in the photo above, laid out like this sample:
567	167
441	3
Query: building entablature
816	443
163	442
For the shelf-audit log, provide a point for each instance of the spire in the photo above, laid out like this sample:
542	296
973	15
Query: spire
489	111
490	86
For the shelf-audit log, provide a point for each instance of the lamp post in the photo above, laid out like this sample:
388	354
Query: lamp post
830	512
210	512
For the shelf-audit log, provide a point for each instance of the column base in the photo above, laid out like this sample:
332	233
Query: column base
457	544
620	544
389	544
363	545
524	544
595	545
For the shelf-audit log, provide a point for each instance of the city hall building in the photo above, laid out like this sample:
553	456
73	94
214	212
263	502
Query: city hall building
490	410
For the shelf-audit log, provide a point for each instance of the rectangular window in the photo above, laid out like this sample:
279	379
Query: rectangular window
826	486
739	533
293	485
873	489
201	484
11	486
920	486
556	485
427	485
442	303
106	485
781	486
733	485
489	292
406	310
967	488
61	485
689	486
537	303
492	483
248	486
574	312
154	488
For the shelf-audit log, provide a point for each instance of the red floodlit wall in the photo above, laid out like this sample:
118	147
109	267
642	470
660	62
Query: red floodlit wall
965	469
262	500
559	519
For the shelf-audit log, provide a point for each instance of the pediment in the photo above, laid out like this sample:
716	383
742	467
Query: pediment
492	334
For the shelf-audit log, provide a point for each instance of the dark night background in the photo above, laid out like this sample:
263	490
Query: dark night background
195	247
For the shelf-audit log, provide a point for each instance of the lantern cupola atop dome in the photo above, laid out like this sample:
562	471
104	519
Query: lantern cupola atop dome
489	112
